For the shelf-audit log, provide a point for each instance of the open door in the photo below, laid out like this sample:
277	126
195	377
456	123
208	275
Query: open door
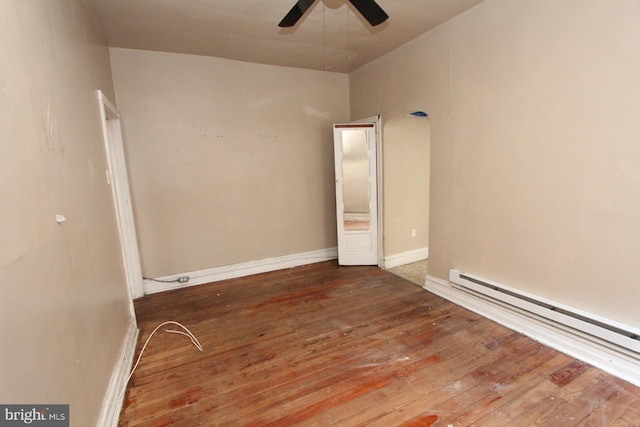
355	150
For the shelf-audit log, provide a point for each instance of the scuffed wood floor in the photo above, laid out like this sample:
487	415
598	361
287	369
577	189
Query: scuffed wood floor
323	345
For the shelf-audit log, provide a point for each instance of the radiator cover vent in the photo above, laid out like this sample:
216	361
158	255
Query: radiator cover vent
596	326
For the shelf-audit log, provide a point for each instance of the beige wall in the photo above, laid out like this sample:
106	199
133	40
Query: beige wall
535	180
63	301
229	161
406	141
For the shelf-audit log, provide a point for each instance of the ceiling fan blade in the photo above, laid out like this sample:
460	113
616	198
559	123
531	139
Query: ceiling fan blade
371	11
295	13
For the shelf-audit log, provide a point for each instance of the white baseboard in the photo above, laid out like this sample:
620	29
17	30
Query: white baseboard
239	270
616	361
112	405
408	257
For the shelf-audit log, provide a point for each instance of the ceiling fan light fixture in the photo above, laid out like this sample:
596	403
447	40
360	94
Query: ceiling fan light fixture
369	9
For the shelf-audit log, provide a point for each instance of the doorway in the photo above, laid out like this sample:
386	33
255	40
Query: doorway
406	184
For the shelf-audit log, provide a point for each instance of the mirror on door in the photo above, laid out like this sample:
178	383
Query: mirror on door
355	172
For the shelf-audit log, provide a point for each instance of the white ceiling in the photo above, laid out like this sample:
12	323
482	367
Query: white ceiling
331	36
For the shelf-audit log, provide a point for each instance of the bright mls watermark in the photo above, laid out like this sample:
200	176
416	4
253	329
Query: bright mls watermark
34	415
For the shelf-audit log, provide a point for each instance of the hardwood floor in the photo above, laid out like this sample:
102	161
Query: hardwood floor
323	345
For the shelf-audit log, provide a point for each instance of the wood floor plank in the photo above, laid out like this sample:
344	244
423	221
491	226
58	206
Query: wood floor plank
318	343
447	401
538	389
511	379
284	391
558	407
432	385
625	398
323	345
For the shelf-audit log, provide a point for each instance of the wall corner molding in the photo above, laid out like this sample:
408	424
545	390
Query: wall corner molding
617	362
114	398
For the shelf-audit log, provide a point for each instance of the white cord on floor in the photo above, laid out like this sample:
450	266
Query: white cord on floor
188	333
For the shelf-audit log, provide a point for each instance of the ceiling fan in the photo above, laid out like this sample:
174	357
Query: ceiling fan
369	9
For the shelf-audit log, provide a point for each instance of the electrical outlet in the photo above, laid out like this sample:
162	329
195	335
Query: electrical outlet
183	279
413	232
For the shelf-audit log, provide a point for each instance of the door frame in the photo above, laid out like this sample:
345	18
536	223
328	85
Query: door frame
377	141
117	178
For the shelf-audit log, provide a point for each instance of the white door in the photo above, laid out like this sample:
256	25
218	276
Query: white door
119	181
355	150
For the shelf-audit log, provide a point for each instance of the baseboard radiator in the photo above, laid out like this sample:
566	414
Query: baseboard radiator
595	326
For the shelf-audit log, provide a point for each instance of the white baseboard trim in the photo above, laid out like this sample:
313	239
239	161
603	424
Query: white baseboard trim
239	270
408	257
112	405
615	361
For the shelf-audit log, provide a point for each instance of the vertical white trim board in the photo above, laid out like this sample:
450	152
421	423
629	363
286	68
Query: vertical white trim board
233	271
404	258
112	405
617	362
118	179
